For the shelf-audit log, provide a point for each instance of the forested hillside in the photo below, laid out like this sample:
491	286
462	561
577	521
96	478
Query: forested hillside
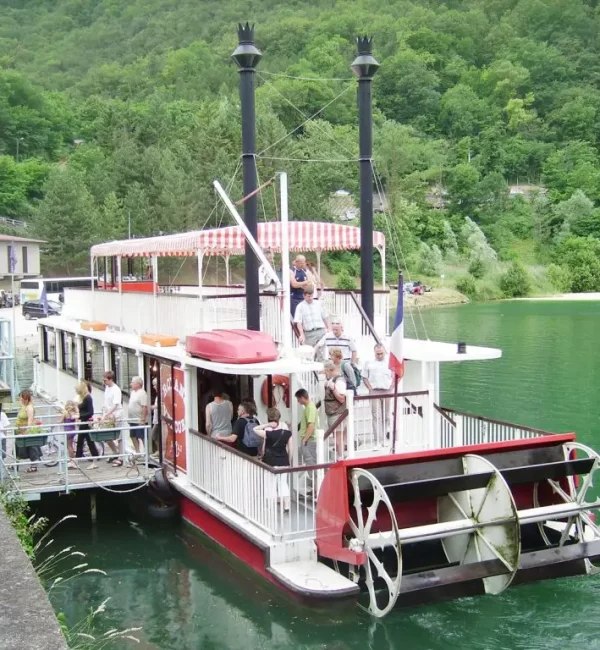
472	96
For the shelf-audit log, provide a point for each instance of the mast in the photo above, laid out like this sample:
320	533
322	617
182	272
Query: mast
364	67
247	56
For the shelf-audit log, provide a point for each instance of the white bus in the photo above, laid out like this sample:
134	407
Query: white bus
55	287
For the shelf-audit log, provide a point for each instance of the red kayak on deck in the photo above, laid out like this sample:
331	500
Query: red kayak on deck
232	346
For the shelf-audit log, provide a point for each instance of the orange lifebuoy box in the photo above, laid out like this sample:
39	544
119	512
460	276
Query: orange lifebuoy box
278	380
159	340
93	326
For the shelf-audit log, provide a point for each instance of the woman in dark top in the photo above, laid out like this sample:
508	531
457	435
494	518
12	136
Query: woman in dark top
86	413
277	452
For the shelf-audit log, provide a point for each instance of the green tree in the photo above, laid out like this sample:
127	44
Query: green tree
68	221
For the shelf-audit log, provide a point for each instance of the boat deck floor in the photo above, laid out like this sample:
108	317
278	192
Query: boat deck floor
58	478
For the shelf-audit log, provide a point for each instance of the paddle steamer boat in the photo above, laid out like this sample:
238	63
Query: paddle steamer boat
450	504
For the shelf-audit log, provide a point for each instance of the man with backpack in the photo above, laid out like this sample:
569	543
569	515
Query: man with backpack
243	437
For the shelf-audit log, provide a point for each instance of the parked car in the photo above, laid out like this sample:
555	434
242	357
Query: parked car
35	309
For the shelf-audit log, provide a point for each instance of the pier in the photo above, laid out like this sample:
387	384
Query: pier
56	473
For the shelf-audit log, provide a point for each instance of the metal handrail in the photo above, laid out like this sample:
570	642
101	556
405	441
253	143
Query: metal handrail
253	459
482	418
336	424
442	412
366	319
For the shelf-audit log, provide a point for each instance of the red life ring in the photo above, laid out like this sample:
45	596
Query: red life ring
278	380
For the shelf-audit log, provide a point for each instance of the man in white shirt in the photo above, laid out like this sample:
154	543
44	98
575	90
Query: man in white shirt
337	339
137	412
378	378
311	319
112	414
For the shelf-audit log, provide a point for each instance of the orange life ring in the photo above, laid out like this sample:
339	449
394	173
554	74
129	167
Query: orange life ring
278	380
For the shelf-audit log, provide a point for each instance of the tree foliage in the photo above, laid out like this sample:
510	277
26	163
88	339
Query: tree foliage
131	110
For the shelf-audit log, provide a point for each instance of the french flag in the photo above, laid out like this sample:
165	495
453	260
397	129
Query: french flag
396	355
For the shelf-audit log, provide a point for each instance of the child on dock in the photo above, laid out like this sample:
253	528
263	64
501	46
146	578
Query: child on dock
69	418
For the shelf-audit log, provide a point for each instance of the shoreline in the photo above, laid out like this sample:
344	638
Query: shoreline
565	297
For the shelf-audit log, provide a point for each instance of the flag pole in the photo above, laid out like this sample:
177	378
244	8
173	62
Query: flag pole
398	329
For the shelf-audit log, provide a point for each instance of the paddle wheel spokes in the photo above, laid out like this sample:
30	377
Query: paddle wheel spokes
495	531
383	568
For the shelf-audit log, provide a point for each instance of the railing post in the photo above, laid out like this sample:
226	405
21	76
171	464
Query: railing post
459	431
80	357
429	420
320	440
350	441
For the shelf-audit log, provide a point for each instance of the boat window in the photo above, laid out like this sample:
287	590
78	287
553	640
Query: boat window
51	338
94	361
69	353
126	368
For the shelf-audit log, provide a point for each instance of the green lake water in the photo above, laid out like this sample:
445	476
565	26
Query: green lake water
185	597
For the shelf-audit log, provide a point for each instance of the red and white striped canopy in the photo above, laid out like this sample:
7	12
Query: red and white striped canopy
303	236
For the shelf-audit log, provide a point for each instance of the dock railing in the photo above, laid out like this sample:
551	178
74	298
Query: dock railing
255	491
36	459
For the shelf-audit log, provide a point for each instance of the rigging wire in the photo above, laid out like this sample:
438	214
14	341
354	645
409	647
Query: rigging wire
392	228
311	160
306	117
290	76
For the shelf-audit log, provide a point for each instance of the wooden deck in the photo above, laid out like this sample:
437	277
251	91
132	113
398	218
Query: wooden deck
59	479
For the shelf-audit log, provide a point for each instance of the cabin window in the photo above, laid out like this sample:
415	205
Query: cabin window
44	344
93	361
69	353
51	346
127	369
25	260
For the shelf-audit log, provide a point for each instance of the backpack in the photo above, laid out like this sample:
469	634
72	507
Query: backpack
251	439
352	374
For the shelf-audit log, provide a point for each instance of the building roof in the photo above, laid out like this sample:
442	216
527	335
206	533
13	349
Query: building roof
11	238
303	236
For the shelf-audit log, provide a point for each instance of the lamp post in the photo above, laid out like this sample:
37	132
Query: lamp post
247	55
364	67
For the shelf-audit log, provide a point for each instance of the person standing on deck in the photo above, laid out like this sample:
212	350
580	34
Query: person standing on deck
137	411
24	424
378	379
337	339
335	403
112	416
309	423
310	319
315	279
298	282
86	414
219	414
246	415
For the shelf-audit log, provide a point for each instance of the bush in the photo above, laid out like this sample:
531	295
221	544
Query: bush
430	259
345	281
477	268
467	285
560	277
516	282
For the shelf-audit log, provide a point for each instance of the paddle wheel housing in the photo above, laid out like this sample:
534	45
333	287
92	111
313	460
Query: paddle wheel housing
440	524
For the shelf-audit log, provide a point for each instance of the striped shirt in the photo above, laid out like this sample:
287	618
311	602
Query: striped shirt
345	343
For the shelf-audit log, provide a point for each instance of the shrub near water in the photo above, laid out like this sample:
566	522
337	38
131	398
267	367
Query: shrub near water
515	283
467	285
560	277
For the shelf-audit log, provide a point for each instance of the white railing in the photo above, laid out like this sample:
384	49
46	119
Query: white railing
279	501
367	431
341	303
44	459
469	429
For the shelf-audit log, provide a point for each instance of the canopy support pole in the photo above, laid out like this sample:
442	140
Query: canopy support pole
200	256
319	263
227	276
92	266
382	255
120	281
155	291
